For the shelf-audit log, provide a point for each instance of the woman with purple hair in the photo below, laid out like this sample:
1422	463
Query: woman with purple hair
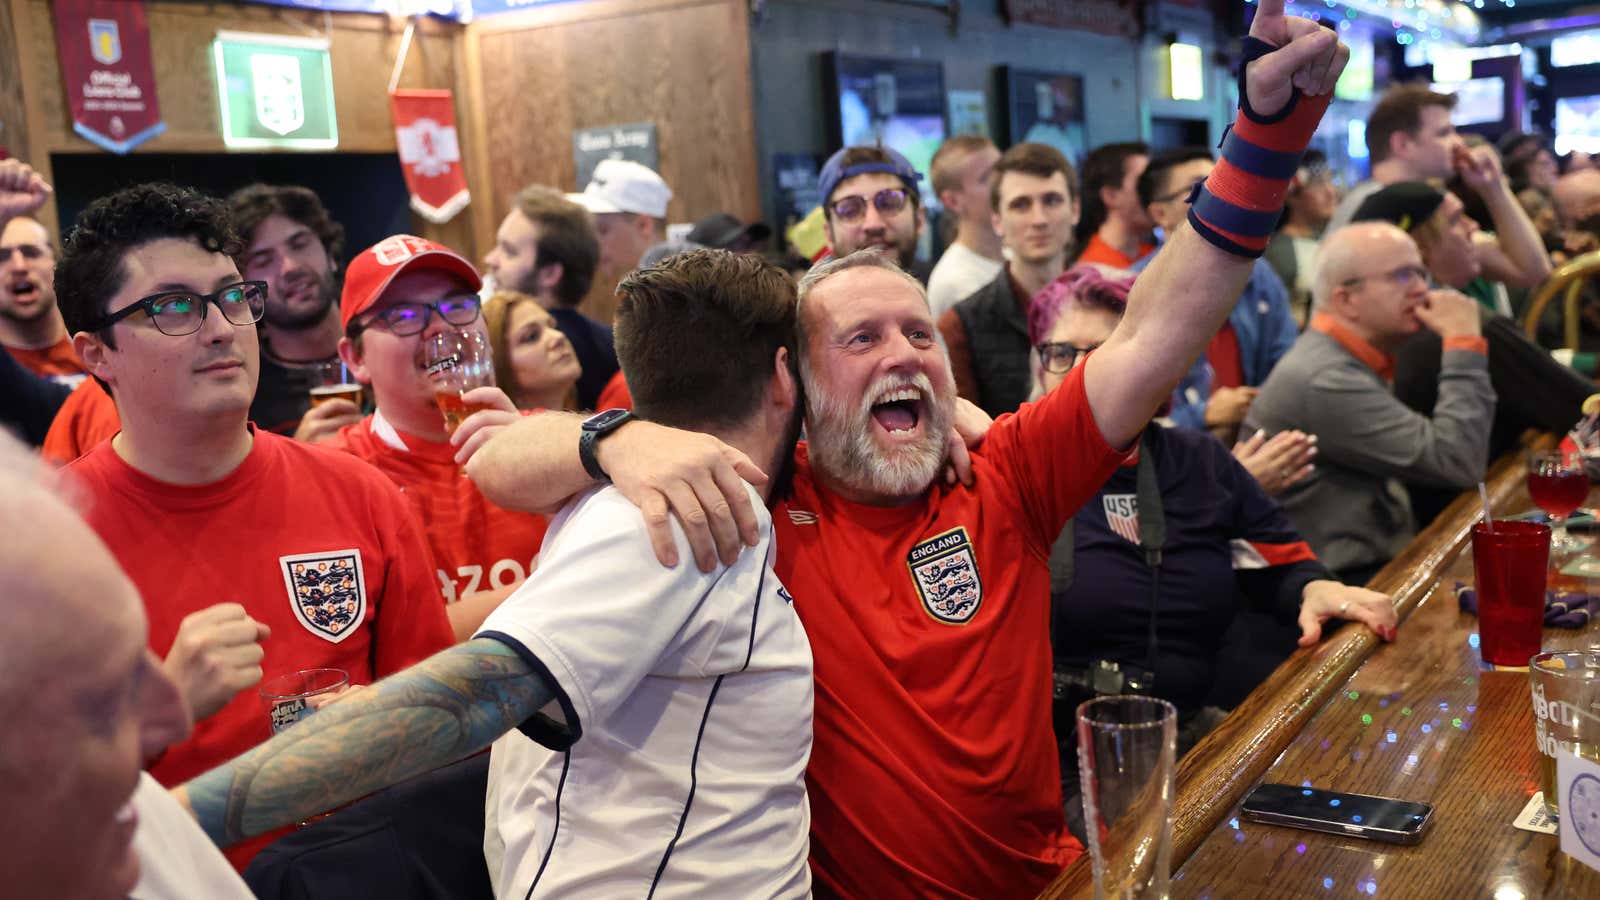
1149	575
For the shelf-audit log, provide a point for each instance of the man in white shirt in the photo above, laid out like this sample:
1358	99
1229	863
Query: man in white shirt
664	713
961	171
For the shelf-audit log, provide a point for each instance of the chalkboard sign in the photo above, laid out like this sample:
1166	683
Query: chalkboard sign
631	142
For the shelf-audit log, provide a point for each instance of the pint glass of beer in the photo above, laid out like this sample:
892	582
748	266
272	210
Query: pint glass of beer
332	382
1566	711
457	362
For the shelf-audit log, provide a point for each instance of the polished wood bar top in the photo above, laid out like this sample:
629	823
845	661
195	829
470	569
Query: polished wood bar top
1420	719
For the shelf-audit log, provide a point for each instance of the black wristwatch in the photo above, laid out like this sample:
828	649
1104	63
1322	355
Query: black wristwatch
596	427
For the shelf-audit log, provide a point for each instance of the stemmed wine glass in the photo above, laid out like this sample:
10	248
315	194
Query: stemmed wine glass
1558	485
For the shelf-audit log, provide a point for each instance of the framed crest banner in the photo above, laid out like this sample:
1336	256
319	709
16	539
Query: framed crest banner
275	91
104	49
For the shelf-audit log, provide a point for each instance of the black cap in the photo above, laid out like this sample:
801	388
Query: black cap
1407	204
721	230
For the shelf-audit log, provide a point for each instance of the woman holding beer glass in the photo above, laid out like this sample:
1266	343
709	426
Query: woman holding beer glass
533	361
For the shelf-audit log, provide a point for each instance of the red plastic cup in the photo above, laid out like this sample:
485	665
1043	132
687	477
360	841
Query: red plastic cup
1509	564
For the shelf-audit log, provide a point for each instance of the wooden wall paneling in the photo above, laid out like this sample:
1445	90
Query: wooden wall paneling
29	18
13	111
682	64
481	216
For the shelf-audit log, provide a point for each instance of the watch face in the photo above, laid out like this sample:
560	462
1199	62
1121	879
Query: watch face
1582	809
604	420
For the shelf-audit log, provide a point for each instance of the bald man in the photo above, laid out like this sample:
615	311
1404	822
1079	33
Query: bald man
1370	294
86	705
1577	196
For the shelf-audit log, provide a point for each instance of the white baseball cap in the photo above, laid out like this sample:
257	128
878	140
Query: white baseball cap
624	186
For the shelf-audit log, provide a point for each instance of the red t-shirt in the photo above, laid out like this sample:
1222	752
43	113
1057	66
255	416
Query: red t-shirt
1227	365
615	395
288	510
476	545
87	418
54	361
934	766
1098	251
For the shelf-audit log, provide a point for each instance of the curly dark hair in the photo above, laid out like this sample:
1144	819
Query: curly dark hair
92	268
252	204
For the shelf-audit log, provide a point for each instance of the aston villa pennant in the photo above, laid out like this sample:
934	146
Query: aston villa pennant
104	46
430	154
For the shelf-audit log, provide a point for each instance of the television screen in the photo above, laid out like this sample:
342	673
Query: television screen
1577	124
897	103
1356	82
1045	108
1578	49
1480	101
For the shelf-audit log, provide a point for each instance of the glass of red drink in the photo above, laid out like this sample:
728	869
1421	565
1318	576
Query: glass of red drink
1558	485
1509	561
457	362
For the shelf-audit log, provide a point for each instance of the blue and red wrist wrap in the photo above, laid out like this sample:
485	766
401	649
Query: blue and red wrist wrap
1237	207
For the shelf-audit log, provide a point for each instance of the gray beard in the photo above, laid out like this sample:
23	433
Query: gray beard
840	444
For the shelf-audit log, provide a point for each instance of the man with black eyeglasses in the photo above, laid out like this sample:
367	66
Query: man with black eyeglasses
870	199
1371	294
398	294
255	554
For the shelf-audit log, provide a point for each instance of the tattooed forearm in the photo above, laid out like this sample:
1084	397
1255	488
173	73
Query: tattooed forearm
438	711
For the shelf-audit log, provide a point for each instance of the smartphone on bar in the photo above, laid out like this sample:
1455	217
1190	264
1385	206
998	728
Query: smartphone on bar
1353	815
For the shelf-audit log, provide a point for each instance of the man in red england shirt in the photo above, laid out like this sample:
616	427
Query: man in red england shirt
933	769
398	294
255	554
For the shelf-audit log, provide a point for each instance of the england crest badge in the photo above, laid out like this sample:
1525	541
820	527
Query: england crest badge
326	591
945	572
280	97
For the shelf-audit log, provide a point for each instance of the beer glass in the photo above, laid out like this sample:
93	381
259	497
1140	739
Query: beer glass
331	381
1566	711
296	695
457	362
1127	760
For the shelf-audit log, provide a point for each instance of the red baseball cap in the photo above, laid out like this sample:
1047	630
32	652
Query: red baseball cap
374	268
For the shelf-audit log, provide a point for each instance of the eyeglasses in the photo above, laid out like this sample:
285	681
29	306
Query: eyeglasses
1180	192
406	319
28	251
177	313
1058	357
888	201
1403	277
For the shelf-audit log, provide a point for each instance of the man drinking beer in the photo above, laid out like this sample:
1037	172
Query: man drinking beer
399	295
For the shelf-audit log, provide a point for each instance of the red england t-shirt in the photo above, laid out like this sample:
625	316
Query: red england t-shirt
615	395
933	770
267	536
476	545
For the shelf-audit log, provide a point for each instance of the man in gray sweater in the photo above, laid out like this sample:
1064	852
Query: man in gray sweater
1370	293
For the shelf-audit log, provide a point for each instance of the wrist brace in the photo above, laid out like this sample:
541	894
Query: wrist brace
1237	207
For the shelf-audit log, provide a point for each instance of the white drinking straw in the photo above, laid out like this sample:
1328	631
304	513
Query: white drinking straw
1483	494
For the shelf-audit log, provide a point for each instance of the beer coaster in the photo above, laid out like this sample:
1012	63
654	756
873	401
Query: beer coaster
1536	816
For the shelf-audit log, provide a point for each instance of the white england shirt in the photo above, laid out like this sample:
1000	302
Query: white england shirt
672	761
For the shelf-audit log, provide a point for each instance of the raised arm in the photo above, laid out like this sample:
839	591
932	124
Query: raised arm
1182	298
1516	255
22	190
533	465
449	706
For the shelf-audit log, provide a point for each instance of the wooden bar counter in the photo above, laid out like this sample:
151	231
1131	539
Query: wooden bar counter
1420	719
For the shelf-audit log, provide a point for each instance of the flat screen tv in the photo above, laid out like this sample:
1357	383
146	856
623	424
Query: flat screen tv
898	103
1480	101
1045	108
1577	124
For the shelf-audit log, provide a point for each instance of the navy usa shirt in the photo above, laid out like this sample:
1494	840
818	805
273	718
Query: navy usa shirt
1227	543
